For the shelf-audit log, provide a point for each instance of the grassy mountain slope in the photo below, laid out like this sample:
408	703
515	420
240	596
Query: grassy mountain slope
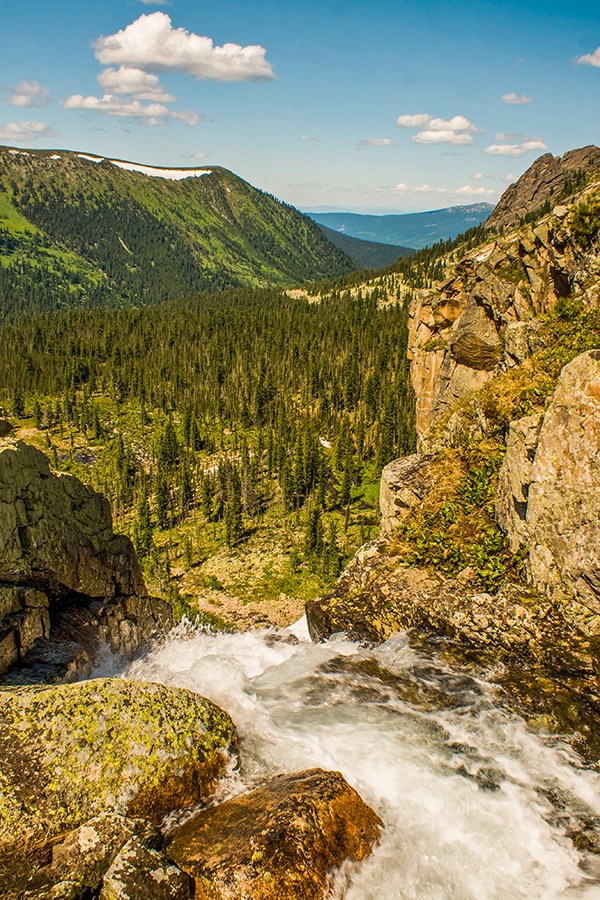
74	231
411	230
366	254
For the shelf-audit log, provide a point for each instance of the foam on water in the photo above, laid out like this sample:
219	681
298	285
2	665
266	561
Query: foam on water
476	807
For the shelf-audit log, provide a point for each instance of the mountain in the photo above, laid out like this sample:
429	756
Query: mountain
367	254
411	230
542	183
77	229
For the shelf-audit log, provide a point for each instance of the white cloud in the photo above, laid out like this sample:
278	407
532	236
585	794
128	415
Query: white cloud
127	108
469	191
451	138
142	85
590	59
25	131
502	136
417	121
187	116
516	99
152	44
376	142
309	137
156	2
510	178
478	176
400	187
29	93
427	189
515	149
200	155
452	132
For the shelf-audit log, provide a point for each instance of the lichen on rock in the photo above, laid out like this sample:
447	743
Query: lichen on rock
73	751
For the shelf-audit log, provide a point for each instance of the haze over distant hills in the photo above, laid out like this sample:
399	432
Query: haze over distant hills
409	230
367	254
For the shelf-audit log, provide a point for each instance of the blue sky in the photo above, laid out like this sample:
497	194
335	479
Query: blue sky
331	105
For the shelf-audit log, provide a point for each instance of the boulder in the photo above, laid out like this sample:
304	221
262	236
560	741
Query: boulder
564	496
279	841
73	751
404	484
68	584
140	873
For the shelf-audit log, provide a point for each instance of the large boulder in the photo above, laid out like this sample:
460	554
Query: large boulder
549	487
73	751
279	841
68	584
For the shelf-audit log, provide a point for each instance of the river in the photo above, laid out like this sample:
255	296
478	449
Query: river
476	806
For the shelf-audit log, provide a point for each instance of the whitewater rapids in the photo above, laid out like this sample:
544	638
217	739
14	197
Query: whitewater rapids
475	806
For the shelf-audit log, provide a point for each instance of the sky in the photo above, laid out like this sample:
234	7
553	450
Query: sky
336	105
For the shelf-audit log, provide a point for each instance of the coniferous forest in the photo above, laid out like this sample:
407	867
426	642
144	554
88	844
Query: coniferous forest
212	422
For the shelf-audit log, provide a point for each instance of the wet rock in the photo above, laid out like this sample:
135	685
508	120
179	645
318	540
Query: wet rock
71	752
279	841
140	873
404	484
65	577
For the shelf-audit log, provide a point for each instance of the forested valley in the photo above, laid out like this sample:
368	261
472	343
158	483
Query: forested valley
246	425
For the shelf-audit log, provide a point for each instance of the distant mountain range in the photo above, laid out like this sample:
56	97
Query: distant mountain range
81	230
366	254
415	230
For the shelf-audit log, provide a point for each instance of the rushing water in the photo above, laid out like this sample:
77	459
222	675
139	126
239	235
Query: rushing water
475	806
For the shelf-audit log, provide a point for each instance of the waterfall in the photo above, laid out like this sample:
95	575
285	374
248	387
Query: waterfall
476	806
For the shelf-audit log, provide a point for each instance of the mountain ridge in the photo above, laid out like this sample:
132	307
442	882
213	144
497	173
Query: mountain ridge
415	230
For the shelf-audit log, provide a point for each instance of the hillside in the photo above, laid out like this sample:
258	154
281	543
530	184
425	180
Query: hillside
366	254
83	230
410	230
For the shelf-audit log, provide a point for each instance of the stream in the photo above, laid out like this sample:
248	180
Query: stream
476	806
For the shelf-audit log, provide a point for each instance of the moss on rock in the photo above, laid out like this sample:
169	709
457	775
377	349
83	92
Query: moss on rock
72	751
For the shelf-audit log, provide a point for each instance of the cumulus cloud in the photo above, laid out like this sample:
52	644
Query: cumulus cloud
417	121
502	136
155	2
516	99
141	85
590	59
510	178
515	149
25	131
309	137
129	108
29	93
376	142
200	155
153	45
469	191
427	189
478	176
451	138
452	132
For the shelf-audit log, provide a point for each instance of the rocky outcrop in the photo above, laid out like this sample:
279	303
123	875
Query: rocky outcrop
549	489
404	484
68	584
71	752
483	319
541	182
280	840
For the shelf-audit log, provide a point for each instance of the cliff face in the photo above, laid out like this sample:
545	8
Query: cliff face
482	320
540	183
68	584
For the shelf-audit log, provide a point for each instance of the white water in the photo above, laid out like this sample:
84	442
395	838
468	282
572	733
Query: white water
447	835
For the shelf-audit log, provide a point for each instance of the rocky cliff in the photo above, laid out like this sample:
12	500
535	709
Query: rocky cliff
68	585
483	318
489	534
